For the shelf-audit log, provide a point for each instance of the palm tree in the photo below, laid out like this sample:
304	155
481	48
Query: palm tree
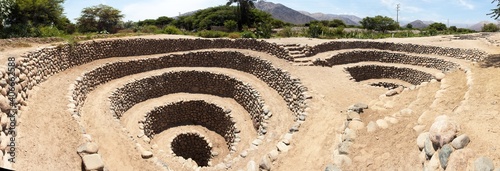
244	7
495	13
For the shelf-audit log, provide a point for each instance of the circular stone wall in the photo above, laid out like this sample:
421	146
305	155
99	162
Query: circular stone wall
197	112
194	146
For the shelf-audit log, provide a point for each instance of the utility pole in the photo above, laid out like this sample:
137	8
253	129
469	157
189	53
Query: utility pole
397	12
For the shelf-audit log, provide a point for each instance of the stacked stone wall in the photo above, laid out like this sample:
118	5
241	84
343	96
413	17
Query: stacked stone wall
467	54
197	112
194	146
388	57
366	72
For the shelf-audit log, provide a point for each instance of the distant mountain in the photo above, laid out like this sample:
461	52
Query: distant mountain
348	19
418	24
283	13
479	26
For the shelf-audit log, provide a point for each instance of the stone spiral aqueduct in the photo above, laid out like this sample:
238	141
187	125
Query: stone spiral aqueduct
183	64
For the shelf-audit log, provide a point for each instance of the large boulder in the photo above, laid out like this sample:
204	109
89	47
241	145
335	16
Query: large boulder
443	131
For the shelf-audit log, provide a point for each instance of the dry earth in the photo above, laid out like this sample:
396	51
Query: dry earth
48	136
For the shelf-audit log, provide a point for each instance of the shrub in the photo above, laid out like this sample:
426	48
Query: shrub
248	34
231	25
234	35
171	30
490	28
315	30
211	34
286	32
50	32
149	29
264	30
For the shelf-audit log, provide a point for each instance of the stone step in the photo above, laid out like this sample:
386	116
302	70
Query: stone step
298	56
295	52
295	48
290	45
303	64
302	61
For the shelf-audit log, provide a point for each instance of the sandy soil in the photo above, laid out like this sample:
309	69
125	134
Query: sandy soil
48	136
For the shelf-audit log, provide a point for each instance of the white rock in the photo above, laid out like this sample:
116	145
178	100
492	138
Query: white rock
372	126
443	130
356	125
439	76
93	162
146	154
382	124
251	166
421	139
419	128
406	112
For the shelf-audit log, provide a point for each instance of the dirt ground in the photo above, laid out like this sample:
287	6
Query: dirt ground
48	136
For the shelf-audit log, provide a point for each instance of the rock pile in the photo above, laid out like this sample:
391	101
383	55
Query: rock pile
388	57
347	137
366	72
441	148
467	54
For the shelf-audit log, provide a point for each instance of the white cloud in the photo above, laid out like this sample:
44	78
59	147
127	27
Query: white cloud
152	9
466	4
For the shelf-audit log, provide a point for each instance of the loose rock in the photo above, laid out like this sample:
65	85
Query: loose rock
93	162
483	164
421	139
442	131
265	164
444	155
382	124
372	126
460	142
459	159
429	147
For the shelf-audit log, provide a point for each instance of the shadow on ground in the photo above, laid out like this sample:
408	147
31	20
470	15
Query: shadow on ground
491	61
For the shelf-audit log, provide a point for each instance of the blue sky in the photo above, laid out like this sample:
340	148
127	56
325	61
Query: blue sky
458	12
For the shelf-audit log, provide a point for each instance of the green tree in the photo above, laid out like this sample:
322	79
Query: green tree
163	21
437	26
490	28
409	26
216	16
453	28
22	18
379	23
495	13
244	7
336	23
146	22
99	18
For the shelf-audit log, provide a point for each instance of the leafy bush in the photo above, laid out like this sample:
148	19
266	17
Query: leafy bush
248	34
231	25
171	30
286	32
490	28
234	35
263	30
50	32
315	30
149	29
211	34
